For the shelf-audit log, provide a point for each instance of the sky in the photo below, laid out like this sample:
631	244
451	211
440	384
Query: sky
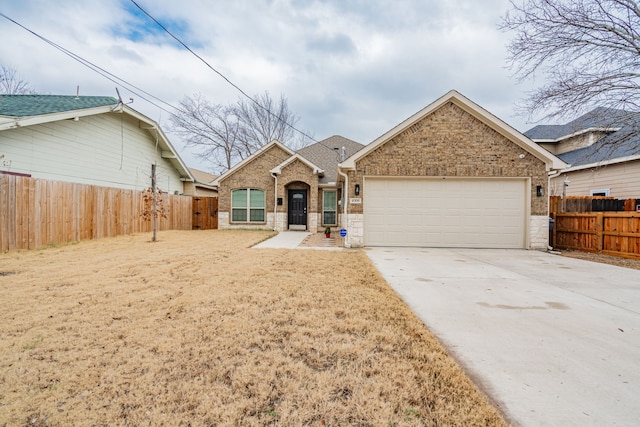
352	68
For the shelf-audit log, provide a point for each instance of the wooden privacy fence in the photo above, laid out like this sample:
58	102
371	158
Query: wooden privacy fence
612	233
591	204
205	213
36	212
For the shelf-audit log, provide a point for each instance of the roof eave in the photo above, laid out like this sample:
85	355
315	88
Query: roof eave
593	165
574	134
17	122
163	142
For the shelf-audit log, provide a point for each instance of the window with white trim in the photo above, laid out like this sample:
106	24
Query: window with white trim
247	205
329	208
602	192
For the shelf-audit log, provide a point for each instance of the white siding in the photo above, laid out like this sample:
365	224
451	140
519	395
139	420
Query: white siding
623	181
109	150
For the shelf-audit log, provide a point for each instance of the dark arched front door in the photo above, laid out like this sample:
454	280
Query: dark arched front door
297	209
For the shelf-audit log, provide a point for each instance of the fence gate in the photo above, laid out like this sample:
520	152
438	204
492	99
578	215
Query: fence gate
205	213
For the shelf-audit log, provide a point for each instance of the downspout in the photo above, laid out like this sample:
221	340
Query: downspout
345	190
275	201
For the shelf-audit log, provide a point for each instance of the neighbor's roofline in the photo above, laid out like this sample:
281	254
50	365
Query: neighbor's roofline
175	158
580	132
601	164
8	122
475	110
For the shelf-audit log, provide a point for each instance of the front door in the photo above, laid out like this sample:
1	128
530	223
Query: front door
297	209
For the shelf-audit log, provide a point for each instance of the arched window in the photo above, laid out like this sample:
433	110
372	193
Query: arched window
247	205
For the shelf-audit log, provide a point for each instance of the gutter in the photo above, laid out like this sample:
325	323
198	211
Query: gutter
275	201
345	190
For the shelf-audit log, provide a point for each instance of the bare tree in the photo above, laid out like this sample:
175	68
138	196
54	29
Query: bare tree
587	50
226	134
12	84
210	128
264	120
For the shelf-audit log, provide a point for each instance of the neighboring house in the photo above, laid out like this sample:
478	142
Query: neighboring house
281	189
202	184
602	149
451	175
86	139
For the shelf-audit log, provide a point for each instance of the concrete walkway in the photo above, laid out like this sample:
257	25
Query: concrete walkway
555	341
301	240
284	240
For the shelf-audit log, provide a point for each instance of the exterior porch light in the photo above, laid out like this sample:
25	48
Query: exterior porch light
539	190
356	190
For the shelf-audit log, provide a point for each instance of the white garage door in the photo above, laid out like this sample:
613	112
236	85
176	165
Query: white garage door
470	213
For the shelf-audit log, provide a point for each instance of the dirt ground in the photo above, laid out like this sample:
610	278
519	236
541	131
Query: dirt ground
602	258
198	329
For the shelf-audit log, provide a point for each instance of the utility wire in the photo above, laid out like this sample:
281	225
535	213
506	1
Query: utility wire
222	75
104	73
118	80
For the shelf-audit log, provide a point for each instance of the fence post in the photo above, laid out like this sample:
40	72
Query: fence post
599	231
552	243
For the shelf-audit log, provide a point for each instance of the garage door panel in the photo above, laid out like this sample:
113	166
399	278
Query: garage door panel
445	213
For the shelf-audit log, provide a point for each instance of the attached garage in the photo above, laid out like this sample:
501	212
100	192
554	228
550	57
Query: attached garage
451	175
445	212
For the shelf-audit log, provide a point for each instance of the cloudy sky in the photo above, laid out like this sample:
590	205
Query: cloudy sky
353	68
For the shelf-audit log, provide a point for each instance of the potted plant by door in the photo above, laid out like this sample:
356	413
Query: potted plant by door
327	232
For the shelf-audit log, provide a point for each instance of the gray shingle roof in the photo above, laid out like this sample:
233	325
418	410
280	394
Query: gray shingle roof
622	143
325	155
597	118
35	105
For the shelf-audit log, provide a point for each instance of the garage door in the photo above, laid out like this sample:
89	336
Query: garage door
469	213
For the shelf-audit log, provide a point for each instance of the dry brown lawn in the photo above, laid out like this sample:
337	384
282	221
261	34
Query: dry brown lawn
198	329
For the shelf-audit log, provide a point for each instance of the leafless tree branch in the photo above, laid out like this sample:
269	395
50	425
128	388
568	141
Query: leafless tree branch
12	84
587	50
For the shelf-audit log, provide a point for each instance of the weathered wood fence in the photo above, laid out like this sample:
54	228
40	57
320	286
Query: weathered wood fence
612	233
591	204
205	213
36	212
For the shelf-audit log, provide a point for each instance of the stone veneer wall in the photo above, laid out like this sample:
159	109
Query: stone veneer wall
450	142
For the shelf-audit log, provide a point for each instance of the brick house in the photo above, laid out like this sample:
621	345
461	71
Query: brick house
277	188
451	175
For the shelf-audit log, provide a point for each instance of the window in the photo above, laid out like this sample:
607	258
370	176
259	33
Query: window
329	209
247	205
603	192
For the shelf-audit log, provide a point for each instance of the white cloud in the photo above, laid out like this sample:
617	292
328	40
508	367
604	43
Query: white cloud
354	68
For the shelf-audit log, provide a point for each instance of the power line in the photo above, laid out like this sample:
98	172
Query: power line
223	76
104	73
118	80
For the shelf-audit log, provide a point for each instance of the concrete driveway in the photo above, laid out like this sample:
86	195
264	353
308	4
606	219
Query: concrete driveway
553	340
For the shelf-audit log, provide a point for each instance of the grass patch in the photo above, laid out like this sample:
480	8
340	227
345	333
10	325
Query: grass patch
200	329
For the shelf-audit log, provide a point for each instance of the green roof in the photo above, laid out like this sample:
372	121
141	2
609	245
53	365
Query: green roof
36	105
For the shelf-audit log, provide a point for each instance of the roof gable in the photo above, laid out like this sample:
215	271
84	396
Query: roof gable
313	167
474	110
245	162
